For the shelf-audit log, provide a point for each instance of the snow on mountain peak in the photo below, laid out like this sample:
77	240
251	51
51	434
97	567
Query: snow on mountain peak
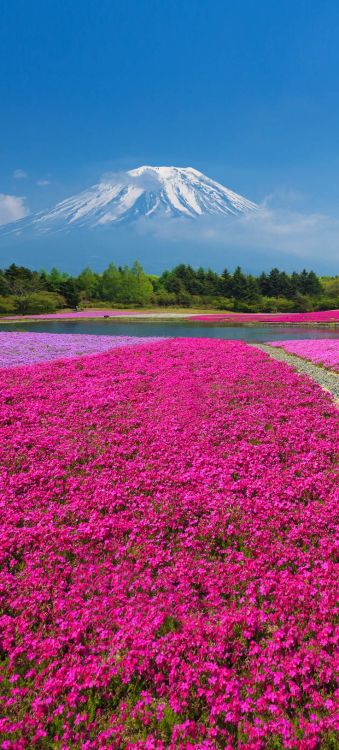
147	191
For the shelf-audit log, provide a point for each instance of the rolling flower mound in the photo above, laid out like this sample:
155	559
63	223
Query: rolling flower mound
319	351
167	552
322	316
23	348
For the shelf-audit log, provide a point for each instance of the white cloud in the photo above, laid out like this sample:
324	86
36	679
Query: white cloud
43	183
12	208
145	181
307	236
285	196
20	174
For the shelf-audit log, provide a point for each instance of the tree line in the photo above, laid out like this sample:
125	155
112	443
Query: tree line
25	291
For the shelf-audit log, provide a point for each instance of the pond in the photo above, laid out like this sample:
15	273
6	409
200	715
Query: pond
175	328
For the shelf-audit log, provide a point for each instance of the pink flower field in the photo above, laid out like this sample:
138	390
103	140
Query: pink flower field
168	549
320	351
324	316
102	313
17	348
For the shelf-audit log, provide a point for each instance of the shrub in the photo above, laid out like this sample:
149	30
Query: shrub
276	304
7	305
163	298
39	302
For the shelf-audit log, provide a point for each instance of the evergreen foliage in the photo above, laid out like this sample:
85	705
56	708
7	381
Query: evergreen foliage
25	291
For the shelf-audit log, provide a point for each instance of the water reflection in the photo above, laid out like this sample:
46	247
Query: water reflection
175	328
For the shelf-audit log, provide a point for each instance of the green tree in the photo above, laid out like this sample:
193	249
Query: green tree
264	284
239	284
143	285
54	279
294	284
225	284
69	290
331	286
111	283
199	282
88	282
182	285
313	285
273	281
4	285
253	290
136	287
212	284
21	280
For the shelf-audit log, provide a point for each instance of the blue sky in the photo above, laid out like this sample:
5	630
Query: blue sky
246	92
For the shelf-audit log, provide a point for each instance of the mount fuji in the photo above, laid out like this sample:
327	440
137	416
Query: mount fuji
145	192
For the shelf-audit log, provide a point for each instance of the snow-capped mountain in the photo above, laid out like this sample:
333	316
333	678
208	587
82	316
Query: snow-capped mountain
145	192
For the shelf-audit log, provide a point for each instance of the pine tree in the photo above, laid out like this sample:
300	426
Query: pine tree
253	290
239	284
264	284
225	283
313	285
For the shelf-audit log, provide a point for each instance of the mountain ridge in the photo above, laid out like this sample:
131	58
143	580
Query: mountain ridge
144	192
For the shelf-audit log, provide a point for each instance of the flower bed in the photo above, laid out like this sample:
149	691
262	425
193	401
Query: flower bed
319	351
100	313
17	348
167	552
324	316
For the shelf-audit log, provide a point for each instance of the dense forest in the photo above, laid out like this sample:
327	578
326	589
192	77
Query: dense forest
24	291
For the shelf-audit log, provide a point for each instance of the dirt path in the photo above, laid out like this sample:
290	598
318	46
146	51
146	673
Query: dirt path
326	379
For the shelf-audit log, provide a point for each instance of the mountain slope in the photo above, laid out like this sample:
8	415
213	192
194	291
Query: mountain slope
146	192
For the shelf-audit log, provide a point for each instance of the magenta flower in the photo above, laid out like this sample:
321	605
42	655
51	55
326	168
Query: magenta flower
323	316
167	551
319	351
17	348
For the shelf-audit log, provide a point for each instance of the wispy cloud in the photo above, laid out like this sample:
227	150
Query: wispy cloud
285	196
12	208
43	183
307	236
20	174
145	181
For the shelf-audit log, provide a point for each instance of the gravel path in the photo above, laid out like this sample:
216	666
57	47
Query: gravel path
326	379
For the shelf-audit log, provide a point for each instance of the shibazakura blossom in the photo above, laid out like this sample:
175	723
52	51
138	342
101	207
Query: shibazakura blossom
320	351
167	550
101	313
17	348
323	316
